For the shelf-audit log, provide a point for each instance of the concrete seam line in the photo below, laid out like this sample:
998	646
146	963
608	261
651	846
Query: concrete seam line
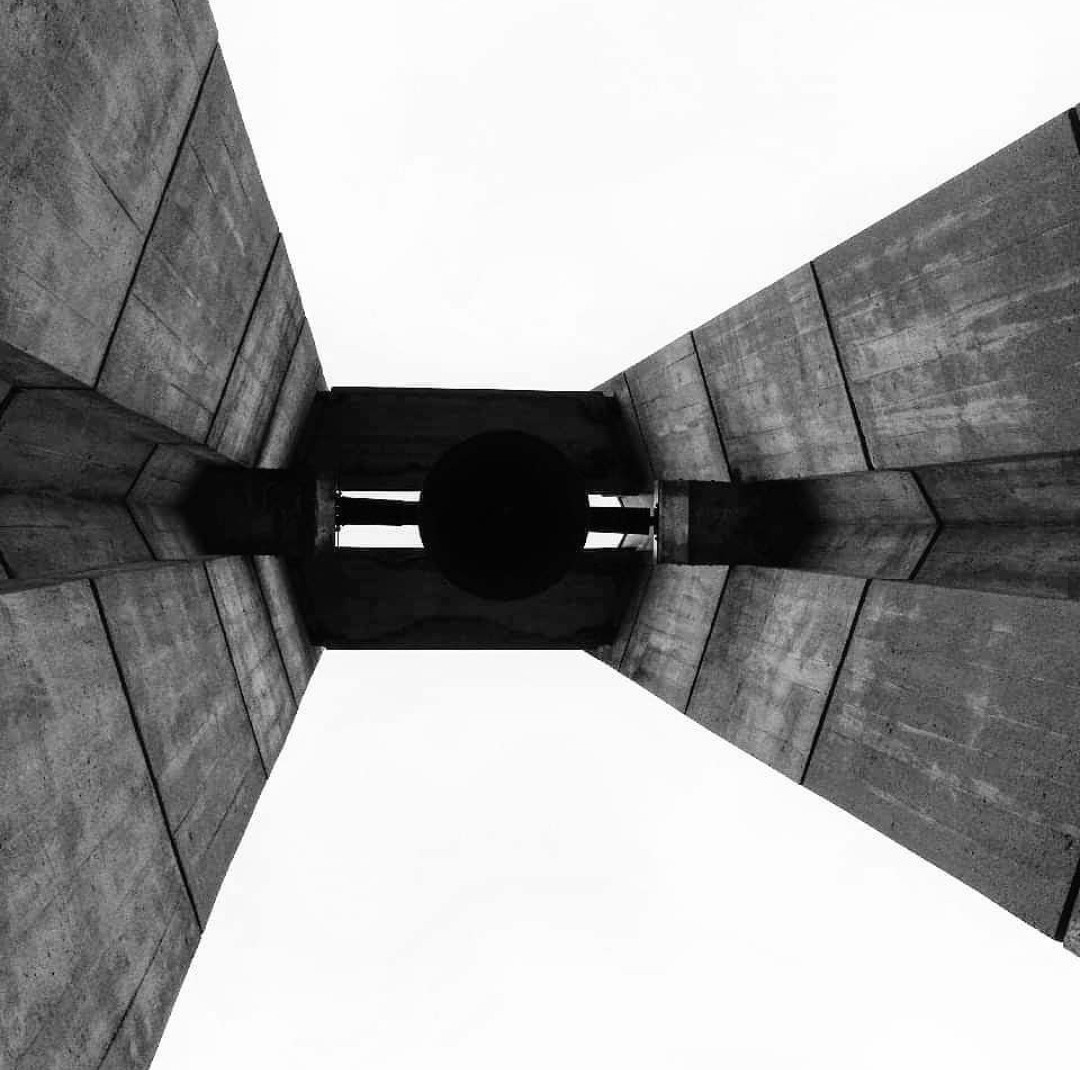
939	527
712	407
708	635
265	437
273	631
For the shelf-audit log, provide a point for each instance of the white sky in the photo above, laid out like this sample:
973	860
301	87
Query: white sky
522	860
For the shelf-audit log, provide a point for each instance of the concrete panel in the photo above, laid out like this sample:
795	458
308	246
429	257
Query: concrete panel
184	692
397	598
953	731
95	102
671	629
297	651
771	659
199	276
137	1038
255	653
619	389
387	438
1010	526
43	535
612	653
956	318
675	414
772	371
243	418
290	412
70	442
89	886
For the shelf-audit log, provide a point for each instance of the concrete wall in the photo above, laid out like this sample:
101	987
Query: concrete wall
914	394
150	325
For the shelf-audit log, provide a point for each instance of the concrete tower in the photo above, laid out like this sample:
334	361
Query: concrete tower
864	569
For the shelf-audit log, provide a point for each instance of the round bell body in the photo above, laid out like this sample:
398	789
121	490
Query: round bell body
503	514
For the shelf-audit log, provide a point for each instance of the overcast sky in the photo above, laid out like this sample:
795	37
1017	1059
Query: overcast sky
521	859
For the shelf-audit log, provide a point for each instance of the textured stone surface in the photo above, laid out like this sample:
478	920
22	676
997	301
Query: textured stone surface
675	415
184	692
957	317
619	389
199	275
771	659
255	653
93	102
71	443
302	381
243	417
297	651
671	629
45	535
953	731
89	885
772	371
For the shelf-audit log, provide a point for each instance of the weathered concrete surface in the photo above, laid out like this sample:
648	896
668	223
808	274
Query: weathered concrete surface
174	659
383	438
675	415
612	653
89	885
953	730
869	524
397	598
772	371
199	275
771	659
70	442
957	317
302	381
243	417
671	629
95	99
619	389
46	535
139	1032
255	653
1010	526
298	653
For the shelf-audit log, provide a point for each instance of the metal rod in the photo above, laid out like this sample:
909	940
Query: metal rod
376	511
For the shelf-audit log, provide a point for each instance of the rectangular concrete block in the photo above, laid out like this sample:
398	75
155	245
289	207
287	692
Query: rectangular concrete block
255	653
96	99
89	886
302	382
771	659
671	628
199	276
47	535
956	317
675	414
266	351
175	662
298	653
953	731
70	442
774	377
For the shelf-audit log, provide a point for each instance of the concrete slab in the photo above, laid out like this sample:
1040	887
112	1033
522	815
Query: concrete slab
297	651
70	442
619	389
953	731
47	535
243	417
255	653
675	414
172	652
89	888
671	629
301	383
956	317
96	99
771	659
199	276
775	380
